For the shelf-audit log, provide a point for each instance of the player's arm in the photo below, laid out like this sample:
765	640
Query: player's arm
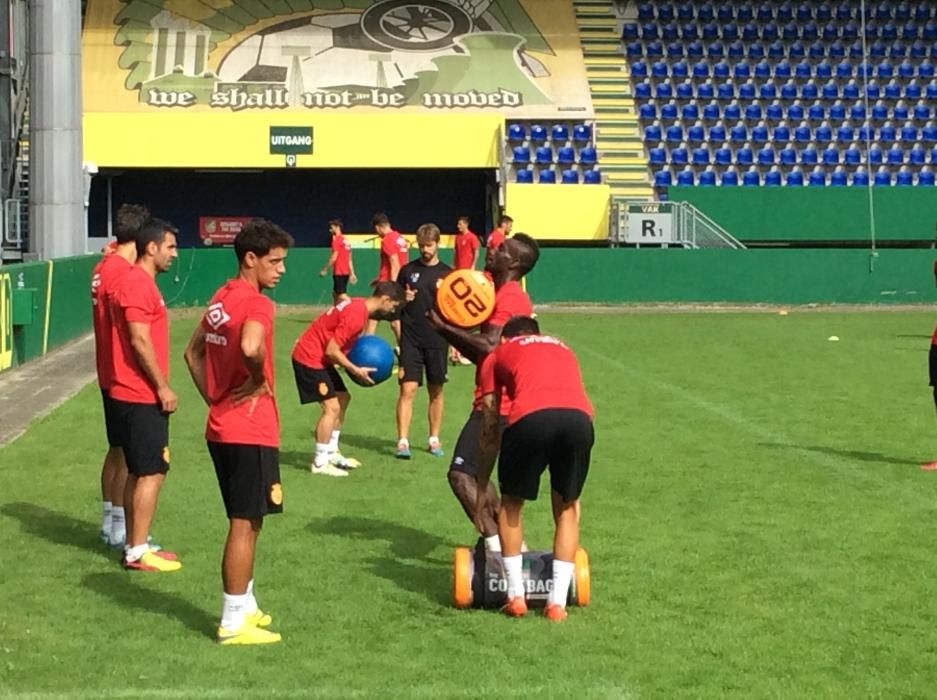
195	361
394	267
490	441
352	277
331	261
474	346
142	343
254	355
334	354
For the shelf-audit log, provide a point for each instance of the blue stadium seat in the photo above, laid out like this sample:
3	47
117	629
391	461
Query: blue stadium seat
802	133
653	132
662	178
876	154
592	177
913	90
887	133
917	155
694	49
547	176
751	178
571	177
852	155
730	32
700	70
685	90
659	70
817	50
668	112
895	155
795	178
663	90
723	155
725	13
560	132
766	156
882	178
850	33
675	50
918	50
525	176
756	50
931	90
929	132
782	133
803	70
760	133
521	154
647	111
796	50
582	133
830	90
773	178
873	91
768	90
879	112
925	70
701	156
674	133
736	50
646	12
809	156
665	12
745	155
783	70
860	178
567	155
588	156
685	178
892	90
787	155
517	132
898	49
657	155
742	70
857	112
831	156
747	91
744	13
838	178
730	178
770	32
711	111
726	91
654	49
790	32
908	133
789	91
544	155
823	70
634	49
669	32
732	112
925	178
906	70
817	178
753	111
706	91
866	132
722	71
680	155
538	134
837	111
649	31
717	132
823	133
809	91
845	134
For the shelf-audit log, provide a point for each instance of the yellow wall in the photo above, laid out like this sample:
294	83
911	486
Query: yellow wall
560	212
174	140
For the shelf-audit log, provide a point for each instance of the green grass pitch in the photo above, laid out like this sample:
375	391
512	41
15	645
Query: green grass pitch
756	519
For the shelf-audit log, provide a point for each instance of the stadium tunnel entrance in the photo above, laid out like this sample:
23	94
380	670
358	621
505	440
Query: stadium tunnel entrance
201	202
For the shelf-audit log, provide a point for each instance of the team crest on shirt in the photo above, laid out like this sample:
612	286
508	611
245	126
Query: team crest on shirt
276	494
415	277
216	316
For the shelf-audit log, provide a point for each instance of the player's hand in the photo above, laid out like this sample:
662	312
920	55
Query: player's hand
410	293
481	505
435	320
168	402
322	273
353	279
363	374
251	391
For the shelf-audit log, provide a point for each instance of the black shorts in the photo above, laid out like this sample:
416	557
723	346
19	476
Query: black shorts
249	477
143	432
414	361
933	365
111	428
465	455
317	385
340	283
556	437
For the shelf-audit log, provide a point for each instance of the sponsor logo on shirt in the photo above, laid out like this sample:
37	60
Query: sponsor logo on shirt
216	316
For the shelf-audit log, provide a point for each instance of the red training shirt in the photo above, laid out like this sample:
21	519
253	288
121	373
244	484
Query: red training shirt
137	300
536	372
495	238
392	244
236	303
344	322
510	300
343	261
106	277
466	245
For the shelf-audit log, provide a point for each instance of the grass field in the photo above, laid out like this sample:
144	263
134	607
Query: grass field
756	518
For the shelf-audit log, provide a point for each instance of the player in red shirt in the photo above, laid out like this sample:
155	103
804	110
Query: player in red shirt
394	255
343	269
500	234
465	257
116	262
932	362
507	265
140	392
549	423
324	345
230	358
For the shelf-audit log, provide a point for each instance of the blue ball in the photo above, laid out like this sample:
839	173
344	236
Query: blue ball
373	351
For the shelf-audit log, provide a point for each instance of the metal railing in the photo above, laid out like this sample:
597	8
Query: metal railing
666	224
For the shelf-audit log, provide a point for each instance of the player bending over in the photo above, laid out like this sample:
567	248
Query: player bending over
230	358
507	264
549	425
315	356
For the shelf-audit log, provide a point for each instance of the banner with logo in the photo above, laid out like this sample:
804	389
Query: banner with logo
220	230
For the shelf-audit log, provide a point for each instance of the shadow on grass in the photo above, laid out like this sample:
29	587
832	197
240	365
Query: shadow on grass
410	565
57	528
123	590
914	336
859	455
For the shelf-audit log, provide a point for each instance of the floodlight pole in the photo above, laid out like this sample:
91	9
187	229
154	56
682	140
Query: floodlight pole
56	187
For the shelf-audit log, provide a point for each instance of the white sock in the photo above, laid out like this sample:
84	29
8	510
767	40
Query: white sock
493	543
134	553
106	519
251	605
322	454
434	440
562	577
232	614
513	567
118	530
333	441
403	441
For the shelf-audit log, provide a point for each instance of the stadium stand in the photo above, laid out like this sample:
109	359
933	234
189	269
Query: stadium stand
790	82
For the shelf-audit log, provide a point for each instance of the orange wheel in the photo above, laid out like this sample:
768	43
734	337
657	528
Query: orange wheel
462	566
583	578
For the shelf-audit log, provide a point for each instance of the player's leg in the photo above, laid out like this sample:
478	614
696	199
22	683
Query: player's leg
108	469
571	437
462	473
317	385
146	448
395	327
248	476
932	363
344	400
328	419
408	390
118	533
436	376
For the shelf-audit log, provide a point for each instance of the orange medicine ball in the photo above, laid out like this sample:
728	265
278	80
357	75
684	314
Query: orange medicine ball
466	298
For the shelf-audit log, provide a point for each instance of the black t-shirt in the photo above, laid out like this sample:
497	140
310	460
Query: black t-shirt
425	280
